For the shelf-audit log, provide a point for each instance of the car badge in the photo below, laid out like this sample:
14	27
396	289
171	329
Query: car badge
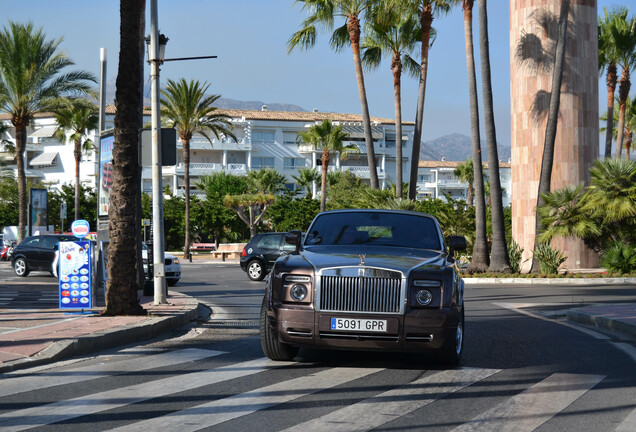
362	257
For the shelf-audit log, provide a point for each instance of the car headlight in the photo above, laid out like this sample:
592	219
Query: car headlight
175	261
298	292
424	297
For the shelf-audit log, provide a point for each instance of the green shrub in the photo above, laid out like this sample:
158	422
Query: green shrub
549	259
514	255
619	257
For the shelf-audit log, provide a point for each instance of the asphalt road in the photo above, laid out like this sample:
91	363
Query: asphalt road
524	369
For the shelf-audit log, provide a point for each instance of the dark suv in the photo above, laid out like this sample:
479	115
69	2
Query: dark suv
37	253
261	251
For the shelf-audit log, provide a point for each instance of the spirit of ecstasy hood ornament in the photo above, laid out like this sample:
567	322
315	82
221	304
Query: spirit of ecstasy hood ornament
362	257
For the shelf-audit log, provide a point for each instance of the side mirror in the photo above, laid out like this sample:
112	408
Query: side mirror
294	238
456	243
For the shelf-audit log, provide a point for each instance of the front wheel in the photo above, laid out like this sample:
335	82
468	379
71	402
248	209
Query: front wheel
255	270
451	352
20	267
272	347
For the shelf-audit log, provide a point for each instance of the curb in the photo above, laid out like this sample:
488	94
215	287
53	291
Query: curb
100	341
551	281
616	325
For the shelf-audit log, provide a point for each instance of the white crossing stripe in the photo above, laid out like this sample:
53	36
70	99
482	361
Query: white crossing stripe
213	413
21	384
380	409
533	407
111	399
629	424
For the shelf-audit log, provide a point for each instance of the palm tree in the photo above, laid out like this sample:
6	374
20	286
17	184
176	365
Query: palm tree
499	260
465	172
393	33
78	117
306	178
629	128
480	260
185	107
266	181
323	12
425	10
624	38
608	57
324	136
30	78
123	212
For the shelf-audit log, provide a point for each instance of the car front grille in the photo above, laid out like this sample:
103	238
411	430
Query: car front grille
360	294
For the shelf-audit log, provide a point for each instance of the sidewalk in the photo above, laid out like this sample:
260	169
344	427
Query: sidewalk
32	337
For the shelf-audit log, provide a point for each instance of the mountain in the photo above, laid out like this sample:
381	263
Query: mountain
457	147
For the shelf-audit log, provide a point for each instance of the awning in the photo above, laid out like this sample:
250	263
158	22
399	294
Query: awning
44	159
358	132
281	151
45	132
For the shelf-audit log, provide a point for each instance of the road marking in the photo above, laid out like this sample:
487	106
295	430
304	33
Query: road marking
385	407
25	383
213	413
98	402
534	406
629	424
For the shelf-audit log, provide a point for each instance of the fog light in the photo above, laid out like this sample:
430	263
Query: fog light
298	292
424	297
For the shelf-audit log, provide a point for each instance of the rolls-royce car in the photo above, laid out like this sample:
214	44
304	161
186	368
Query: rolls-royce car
366	280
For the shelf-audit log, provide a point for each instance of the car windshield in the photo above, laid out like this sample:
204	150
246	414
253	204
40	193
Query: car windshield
369	228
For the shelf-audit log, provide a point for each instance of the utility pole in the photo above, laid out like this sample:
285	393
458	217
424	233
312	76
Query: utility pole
157	193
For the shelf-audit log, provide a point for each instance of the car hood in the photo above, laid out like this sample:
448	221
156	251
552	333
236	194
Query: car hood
393	258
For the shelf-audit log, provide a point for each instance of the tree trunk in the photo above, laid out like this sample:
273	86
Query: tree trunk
623	94
77	152
426	20
20	144
186	179
353	25
499	261
396	67
122	286
323	181
551	126
611	88
480	260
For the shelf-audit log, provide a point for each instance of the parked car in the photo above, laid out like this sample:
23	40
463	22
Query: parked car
172	266
366	280
37	253
260	253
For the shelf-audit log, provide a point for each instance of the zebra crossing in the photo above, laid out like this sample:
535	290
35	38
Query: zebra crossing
212	391
28	298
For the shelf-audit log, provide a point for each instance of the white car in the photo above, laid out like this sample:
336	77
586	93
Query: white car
172	266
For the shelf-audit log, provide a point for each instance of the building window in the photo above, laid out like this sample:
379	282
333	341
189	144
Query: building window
289	138
292	163
263	137
390	140
262	162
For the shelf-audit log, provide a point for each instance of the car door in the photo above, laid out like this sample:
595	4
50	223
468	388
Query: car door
46	252
269	246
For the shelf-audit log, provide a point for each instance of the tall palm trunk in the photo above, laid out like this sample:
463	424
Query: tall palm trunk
396	67
20	144
186	179
480	260
323	181
611	88
353	26
499	261
623	94
426	21
122	286
77	153
553	117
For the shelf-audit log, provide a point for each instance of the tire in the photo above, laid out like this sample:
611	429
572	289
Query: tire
20	267
451	352
172	282
255	270
272	347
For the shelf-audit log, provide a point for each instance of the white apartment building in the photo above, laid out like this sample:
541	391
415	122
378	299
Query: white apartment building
435	179
266	139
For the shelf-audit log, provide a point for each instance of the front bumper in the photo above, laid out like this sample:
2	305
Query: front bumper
415	331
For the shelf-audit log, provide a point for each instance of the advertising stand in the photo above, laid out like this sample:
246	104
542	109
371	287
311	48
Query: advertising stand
74	270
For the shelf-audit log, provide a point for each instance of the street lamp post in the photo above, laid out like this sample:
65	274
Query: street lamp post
155	57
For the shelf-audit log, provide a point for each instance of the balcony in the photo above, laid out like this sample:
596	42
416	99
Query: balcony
452	184
362	171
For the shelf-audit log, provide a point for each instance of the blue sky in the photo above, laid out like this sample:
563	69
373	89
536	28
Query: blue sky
250	39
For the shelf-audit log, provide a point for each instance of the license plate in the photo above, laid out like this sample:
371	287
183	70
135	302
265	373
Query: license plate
359	325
